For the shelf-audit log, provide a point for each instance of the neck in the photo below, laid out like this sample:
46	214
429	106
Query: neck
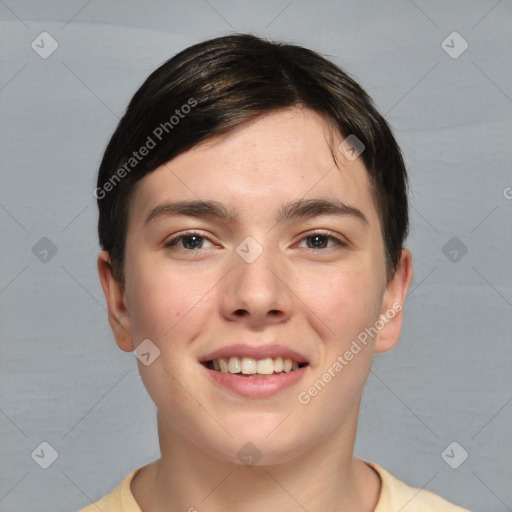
324	477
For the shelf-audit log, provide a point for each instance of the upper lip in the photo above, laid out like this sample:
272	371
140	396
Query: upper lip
256	352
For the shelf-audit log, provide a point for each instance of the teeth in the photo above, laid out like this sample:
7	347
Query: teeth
222	364
251	366
266	366
234	365
248	365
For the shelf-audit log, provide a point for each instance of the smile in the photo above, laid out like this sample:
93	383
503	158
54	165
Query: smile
254	371
256	368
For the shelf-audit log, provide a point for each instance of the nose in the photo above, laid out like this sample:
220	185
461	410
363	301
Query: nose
256	293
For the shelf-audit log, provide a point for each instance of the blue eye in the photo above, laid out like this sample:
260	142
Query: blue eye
193	241
321	240
318	241
190	241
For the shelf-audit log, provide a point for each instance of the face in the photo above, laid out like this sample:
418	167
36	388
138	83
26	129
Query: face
278	257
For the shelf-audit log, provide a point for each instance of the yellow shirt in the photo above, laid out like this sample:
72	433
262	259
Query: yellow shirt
395	496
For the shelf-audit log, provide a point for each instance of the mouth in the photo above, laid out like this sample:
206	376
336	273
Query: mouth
255	371
249	367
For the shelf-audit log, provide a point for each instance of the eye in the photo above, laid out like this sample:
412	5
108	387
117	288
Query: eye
321	239
189	241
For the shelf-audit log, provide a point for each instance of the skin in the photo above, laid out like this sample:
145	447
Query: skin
189	302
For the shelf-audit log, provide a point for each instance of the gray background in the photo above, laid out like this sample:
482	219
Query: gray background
62	378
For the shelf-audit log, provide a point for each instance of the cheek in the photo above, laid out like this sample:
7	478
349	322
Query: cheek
169	308
154	301
162	297
346	300
348	303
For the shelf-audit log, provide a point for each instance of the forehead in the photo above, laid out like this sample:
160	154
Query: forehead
279	157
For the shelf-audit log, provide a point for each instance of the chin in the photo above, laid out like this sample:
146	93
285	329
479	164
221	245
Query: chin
253	446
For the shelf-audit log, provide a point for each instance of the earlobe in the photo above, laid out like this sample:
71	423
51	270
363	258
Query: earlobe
118	315
393	304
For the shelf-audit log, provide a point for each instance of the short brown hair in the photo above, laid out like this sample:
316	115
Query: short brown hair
214	87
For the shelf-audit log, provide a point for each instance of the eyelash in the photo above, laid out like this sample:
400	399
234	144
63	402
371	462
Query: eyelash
171	244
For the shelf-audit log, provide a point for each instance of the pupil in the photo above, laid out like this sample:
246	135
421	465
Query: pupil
318	238
195	243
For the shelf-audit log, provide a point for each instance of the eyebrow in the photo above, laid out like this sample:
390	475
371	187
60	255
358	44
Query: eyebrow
299	209
193	208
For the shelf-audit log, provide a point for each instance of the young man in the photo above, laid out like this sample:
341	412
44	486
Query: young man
253	210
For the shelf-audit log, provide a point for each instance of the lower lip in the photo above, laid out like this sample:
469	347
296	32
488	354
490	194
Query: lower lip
254	387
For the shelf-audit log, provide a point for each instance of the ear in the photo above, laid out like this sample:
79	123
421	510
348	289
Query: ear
118	315
392	305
